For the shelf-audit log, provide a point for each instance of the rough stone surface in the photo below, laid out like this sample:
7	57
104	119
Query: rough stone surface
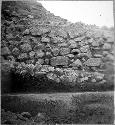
5	51
25	48
39	54
59	60
34	43
93	62
64	51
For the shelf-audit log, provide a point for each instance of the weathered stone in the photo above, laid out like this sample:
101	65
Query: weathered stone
51	76
26	32
32	54
79	39
48	54
76	63
70	77
98	56
90	40
37	67
58	32
5	51
93	62
39	118
84	79
15	51
70	55
73	44
23	56
72	33
51	68
9	36
39	46
39	31
31	61
26	114
93	80
11	58
110	57
55	51
44	68
47	61
95	44
106	46
75	51
82	43
39	54
84	48
59	60
25	47
98	76
14	43
40	61
58	40
63	44
64	51
45	39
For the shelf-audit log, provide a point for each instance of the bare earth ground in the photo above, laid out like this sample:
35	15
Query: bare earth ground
86	107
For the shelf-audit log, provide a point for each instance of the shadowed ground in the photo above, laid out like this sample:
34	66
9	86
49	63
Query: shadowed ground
88	107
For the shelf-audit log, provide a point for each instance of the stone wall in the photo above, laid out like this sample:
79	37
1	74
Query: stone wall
64	53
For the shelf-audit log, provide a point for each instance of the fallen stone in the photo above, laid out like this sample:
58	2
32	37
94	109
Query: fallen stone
59	60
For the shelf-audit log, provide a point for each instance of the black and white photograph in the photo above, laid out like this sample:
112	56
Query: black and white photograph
57	62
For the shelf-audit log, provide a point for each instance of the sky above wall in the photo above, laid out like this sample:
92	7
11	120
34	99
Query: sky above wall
99	13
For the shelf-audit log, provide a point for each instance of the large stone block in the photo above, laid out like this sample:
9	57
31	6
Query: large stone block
59	60
93	62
